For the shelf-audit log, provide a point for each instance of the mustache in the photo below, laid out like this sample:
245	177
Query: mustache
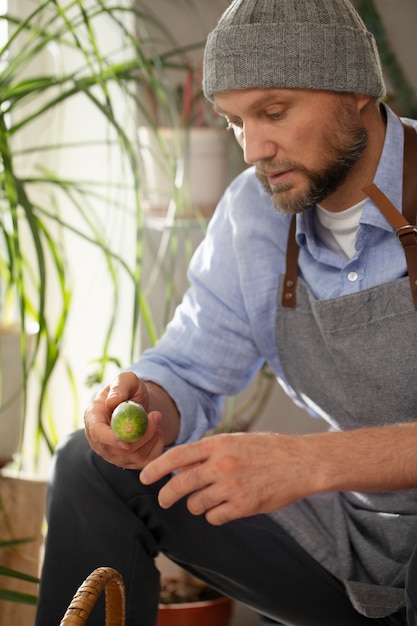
276	167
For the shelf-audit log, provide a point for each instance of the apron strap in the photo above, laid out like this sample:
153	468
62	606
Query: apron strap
291	268
402	223
409	174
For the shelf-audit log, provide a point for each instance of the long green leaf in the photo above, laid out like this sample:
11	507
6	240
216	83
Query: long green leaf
11	573
33	226
17	596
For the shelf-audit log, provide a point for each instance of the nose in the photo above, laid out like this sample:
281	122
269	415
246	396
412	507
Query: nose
256	143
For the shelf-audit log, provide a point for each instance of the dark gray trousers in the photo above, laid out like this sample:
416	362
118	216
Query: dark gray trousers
100	515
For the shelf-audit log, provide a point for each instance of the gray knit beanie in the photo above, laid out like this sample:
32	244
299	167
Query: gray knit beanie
310	44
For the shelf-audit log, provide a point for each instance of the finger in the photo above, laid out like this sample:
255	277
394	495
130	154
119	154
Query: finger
124	386
97	420
183	484
125	455
172	460
137	460
152	448
153	436
221	514
100	434
204	500
102	394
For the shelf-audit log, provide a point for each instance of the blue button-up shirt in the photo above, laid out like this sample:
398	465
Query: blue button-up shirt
225	327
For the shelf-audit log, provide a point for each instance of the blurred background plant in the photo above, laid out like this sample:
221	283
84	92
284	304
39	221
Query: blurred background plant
9	595
64	195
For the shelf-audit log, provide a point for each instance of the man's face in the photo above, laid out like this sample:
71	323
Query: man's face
303	143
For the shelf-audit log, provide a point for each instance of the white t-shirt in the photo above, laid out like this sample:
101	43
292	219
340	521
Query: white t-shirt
338	230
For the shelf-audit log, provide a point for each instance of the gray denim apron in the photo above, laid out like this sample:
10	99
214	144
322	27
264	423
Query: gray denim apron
354	359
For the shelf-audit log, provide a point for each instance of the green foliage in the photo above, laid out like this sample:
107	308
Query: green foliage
36	88
16	596
56	54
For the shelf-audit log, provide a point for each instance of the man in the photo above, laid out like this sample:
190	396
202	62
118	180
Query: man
316	529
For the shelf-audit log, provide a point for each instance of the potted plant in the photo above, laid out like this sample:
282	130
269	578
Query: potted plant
186	166
10	595
186	601
78	60
54	60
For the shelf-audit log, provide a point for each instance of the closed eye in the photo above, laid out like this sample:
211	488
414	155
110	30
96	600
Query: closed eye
275	116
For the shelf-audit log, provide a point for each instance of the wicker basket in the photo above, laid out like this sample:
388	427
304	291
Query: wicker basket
87	594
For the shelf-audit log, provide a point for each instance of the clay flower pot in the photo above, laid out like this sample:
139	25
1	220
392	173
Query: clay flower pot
212	608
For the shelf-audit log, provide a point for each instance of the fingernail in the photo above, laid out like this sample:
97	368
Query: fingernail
158	419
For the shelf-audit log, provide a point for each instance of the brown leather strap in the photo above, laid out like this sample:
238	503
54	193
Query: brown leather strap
388	210
290	279
403	224
410	174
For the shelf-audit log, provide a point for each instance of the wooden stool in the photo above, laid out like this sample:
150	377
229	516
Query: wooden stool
87	594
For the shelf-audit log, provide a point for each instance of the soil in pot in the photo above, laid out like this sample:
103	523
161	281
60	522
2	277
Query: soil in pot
204	607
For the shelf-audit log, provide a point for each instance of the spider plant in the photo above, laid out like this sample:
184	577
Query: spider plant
11	578
9	595
55	203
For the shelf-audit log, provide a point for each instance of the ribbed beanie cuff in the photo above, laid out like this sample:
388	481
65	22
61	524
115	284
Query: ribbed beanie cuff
314	44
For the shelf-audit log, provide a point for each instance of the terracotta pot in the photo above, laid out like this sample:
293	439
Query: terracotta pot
203	613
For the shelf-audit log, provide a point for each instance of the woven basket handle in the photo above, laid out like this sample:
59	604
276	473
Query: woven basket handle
87	594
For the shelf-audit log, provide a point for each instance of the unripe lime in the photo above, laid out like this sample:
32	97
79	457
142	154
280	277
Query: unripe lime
129	421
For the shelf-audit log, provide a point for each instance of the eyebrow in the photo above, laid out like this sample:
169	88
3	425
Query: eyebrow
259	102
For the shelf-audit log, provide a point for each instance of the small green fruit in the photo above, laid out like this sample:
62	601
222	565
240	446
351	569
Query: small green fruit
129	421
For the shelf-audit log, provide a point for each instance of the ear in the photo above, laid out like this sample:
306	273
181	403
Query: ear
362	100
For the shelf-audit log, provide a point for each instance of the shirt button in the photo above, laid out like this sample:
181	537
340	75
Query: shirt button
352	276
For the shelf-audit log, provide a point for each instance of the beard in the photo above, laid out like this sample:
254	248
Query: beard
344	147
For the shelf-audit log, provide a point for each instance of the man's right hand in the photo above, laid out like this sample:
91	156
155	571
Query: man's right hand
134	455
